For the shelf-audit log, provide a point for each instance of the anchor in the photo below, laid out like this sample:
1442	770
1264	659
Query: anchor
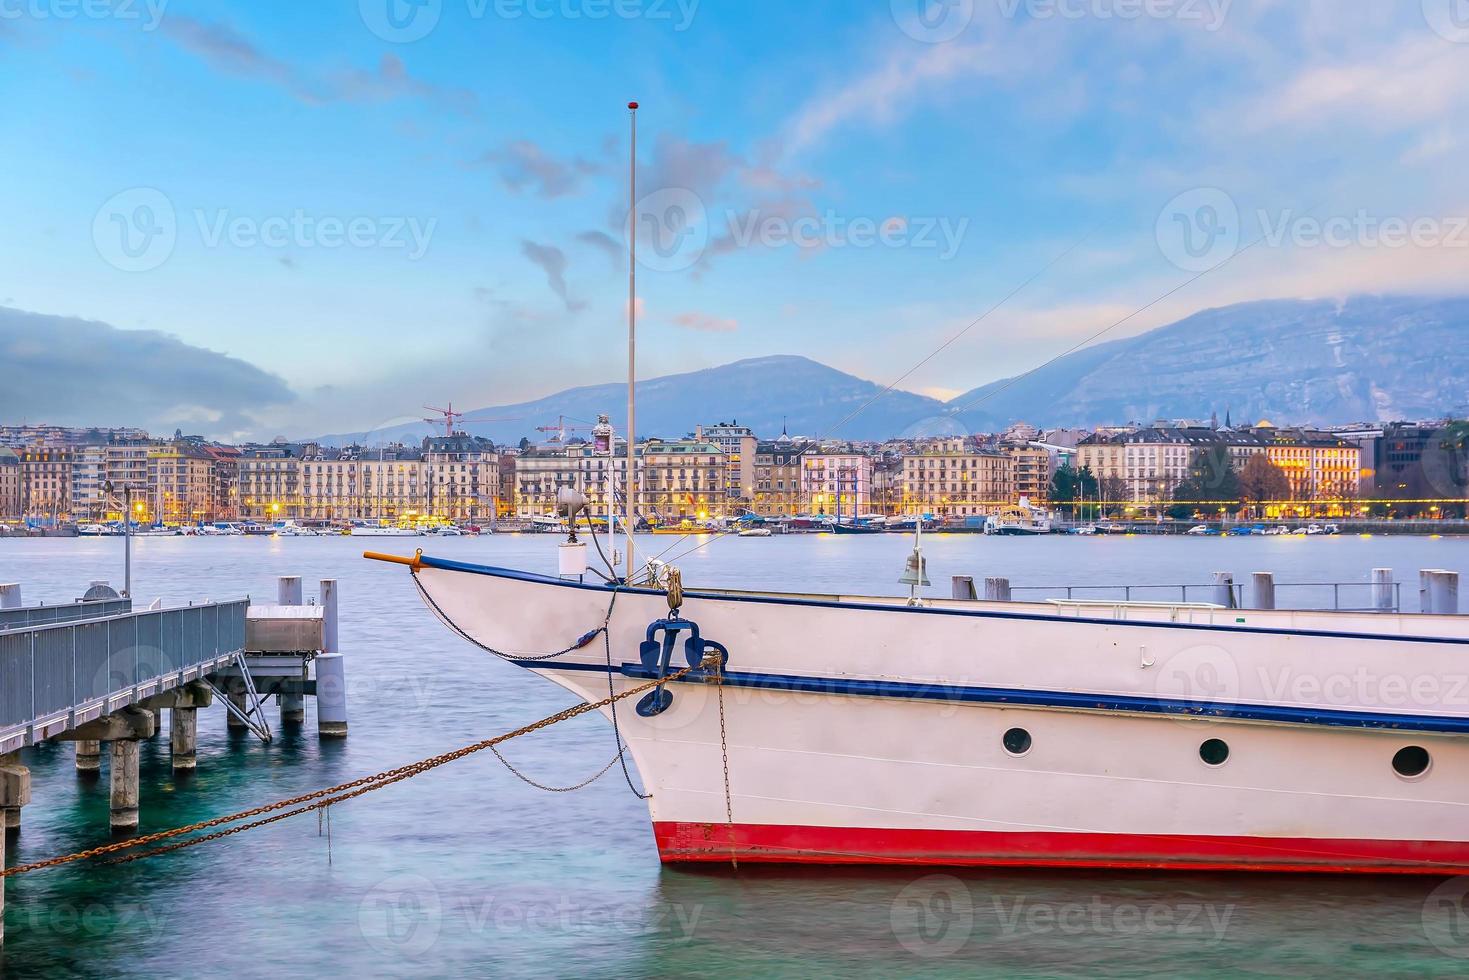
656	654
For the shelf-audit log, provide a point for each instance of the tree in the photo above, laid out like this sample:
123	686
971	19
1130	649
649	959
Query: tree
1070	485
1211	478
524	444
1262	481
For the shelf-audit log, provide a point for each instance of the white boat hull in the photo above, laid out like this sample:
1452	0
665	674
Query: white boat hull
861	731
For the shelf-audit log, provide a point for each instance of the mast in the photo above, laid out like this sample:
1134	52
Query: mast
630	480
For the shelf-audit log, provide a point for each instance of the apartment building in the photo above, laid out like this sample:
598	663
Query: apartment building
461	477
946	477
179	485
9	485
45	483
740	448
682	479
1032	472
778	477
836	481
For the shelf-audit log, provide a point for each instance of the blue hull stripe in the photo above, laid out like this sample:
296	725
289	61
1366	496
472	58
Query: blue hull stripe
510	573
1277	714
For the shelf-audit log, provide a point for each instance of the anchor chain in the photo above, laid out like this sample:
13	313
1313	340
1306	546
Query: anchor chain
581	641
322	798
718	668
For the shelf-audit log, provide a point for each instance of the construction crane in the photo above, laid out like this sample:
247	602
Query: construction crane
449	417
561	428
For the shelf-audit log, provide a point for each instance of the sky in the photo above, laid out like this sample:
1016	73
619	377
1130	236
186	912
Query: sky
358	207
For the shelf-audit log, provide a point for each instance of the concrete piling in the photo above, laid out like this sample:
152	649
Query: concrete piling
183	737
1263	590
1382	590
293	706
89	756
997	589
10	596
238	699
331	671
15	791
1441	592
963	587
1224	589
123	764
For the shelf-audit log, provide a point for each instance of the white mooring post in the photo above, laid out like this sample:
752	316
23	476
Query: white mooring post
293	706
331	670
10	596
997	589
1263	591
1442	592
1224	589
1382	590
963	586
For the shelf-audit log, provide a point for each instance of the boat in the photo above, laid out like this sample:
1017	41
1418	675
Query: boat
854	528
904	730
1020	520
755	532
867	730
383	531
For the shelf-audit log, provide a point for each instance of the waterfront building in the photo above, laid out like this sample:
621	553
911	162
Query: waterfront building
89	499
778	477
270	482
224	481
1032	473
462	477
9	485
539	473
682	480
836	481
66	436
389	483
947	478
45	484
740	447
1318	465
179	485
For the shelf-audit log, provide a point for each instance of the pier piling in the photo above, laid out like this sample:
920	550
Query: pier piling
331	671
123	761
15	791
1440	592
1224	589
997	589
293	706
183	737
1263	591
1382	590
89	756
10	596
963	587
237	697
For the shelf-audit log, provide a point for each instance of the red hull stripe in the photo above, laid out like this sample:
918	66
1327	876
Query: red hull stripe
702	842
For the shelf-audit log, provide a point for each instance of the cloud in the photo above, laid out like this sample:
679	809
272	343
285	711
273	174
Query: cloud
524	166
705	323
606	244
67	371
552	261
228	50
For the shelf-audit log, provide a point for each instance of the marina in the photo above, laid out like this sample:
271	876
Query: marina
491	885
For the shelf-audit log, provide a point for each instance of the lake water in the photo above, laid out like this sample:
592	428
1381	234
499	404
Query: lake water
468	871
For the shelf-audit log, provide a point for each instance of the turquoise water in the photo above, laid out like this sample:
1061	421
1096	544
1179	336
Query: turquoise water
468	871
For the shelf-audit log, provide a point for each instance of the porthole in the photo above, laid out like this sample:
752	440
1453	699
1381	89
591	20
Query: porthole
1411	761
1214	752
1017	741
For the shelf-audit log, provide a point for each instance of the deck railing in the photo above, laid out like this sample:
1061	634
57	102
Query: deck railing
50	670
27	617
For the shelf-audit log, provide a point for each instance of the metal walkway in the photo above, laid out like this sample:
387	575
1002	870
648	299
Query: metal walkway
63	666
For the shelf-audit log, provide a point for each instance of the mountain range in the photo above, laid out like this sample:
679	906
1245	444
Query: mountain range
1292	361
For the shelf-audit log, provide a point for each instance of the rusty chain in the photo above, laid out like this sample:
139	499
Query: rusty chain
323	798
724	755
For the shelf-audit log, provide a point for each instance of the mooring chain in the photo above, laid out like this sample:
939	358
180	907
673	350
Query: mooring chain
718	669
559	789
581	641
332	794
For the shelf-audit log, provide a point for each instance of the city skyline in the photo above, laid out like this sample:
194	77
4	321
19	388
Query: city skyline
885	177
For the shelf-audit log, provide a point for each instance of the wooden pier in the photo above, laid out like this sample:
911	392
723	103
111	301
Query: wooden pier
100	671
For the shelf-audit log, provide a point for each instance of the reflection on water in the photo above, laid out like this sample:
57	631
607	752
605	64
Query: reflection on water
467	870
